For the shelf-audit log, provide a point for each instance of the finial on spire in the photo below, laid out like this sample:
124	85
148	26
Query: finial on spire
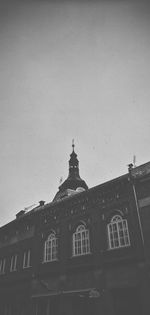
73	145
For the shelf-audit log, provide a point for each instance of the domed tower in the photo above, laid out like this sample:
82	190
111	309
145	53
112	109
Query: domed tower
74	183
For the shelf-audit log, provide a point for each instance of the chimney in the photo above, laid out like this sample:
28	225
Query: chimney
41	203
130	167
20	214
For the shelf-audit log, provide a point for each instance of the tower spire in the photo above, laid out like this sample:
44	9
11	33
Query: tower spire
73	145
73	180
73	163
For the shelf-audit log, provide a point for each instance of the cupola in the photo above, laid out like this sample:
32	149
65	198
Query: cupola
74	183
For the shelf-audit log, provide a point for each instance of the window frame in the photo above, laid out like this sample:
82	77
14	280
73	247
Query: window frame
13	263
118	233
27	259
2	266
81	241
51	248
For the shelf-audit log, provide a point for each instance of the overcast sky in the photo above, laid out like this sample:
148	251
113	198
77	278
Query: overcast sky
71	69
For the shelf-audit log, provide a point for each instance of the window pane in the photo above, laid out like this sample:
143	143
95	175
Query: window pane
118	234
81	241
50	252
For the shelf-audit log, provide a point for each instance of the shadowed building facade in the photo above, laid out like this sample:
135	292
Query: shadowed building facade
87	251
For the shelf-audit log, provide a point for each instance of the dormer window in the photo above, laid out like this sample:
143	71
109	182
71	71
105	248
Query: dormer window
118	234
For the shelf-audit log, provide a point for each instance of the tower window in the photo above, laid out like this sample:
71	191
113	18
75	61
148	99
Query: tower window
118	234
81	241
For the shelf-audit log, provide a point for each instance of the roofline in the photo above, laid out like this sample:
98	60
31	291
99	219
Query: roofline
64	200
74	196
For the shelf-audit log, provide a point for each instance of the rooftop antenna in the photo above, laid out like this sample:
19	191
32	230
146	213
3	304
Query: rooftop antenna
134	160
29	207
61	180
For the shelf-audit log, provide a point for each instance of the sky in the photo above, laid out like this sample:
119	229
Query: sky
70	69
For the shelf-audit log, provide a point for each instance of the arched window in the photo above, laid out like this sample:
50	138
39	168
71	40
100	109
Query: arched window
118	234
51	248
81	241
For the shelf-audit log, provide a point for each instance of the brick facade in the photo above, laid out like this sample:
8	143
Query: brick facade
103	281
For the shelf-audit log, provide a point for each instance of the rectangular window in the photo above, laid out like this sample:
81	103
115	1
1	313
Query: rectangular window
26	259
2	266
13	264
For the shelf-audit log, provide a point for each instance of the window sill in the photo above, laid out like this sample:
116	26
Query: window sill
27	267
81	255
117	248
49	261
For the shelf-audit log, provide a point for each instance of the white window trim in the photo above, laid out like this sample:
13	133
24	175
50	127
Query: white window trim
51	249
77	243
13	264
27	259
2	266
126	237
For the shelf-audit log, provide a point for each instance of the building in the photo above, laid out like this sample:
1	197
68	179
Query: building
87	251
